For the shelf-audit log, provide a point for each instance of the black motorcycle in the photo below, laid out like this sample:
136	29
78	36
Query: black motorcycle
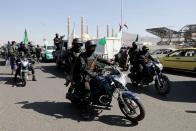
108	84
151	72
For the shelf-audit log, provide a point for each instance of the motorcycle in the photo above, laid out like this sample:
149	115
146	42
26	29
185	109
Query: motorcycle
24	69
153	72
108	84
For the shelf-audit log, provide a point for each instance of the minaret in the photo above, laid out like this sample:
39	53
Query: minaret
112	32
97	31
82	27
108	31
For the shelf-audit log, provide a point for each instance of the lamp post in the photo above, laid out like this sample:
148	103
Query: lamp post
121	12
121	25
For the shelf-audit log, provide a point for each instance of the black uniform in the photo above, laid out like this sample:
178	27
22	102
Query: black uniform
57	42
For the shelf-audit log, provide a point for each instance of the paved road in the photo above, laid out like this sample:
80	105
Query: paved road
41	106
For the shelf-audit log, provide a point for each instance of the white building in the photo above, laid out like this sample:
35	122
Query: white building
112	46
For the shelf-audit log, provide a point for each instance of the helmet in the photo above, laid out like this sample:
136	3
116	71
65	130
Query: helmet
76	45
145	48
13	42
57	34
134	45
90	47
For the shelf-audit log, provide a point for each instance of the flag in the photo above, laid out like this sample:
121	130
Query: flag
125	25
136	40
25	37
102	41
120	28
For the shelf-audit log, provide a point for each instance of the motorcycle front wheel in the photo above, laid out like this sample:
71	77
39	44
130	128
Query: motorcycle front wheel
135	111
24	82
24	79
164	87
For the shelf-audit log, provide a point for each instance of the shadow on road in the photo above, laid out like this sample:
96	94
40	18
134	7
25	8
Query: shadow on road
53	70
181	91
2	63
189	111
180	73
6	80
61	110
10	81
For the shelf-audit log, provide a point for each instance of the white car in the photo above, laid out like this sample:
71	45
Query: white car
47	53
162	52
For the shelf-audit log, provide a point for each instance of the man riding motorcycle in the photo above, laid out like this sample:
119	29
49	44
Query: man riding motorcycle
139	59
143	60
134	53
81	73
71	60
25	52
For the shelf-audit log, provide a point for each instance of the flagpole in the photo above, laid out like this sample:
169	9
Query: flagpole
121	12
122	22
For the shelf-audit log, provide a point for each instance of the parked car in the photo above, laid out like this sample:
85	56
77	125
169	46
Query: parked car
182	59
162	52
47	53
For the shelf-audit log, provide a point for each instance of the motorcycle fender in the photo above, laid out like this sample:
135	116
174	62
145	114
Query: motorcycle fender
130	94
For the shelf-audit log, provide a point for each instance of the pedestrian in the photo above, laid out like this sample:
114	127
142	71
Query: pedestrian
38	53
12	53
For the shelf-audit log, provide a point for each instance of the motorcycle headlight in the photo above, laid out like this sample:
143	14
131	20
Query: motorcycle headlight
121	79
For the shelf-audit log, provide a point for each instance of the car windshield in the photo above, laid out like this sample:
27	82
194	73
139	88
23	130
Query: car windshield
178	53
167	51
159	51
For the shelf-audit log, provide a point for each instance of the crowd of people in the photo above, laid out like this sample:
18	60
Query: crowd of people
78	70
14	52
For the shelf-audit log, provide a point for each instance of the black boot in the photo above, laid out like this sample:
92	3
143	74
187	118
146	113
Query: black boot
15	79
33	78
85	113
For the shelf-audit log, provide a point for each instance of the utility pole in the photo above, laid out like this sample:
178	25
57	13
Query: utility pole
121	13
122	43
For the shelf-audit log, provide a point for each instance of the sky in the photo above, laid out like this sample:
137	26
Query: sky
44	18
